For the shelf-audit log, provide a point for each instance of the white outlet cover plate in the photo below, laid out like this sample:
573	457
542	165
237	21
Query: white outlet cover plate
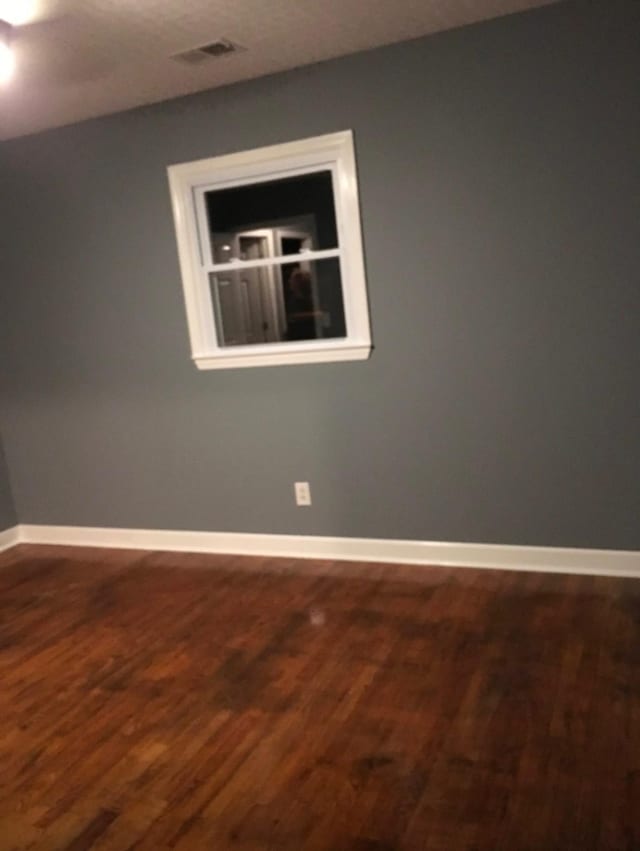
303	493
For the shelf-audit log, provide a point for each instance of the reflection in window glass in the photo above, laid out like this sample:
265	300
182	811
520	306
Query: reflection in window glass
272	219
291	302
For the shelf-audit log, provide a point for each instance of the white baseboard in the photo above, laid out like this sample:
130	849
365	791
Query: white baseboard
9	538
499	556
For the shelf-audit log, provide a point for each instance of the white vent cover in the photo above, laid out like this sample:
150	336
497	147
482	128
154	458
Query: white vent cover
214	50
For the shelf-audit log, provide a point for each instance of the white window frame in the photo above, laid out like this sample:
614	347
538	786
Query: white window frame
189	182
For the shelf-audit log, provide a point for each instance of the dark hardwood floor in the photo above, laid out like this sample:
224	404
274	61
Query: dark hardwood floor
160	701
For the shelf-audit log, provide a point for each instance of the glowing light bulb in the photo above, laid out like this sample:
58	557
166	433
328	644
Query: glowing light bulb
17	12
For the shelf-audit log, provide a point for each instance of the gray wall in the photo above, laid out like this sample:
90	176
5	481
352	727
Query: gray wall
499	184
7	510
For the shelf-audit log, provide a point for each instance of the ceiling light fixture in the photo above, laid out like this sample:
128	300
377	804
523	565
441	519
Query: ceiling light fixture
18	12
7	57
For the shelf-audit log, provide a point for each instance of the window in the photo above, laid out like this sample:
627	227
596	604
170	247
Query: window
271	255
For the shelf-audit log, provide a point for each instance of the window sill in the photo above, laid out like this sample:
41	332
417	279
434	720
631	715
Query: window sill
247	359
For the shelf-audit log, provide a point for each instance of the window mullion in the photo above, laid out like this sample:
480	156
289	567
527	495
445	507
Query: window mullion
282	260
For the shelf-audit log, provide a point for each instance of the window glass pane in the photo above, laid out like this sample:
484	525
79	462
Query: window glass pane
272	219
277	304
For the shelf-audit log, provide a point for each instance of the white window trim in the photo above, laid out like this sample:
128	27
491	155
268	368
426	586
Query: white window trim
188	183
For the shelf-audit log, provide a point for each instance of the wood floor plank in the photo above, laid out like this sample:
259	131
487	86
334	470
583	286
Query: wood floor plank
157	701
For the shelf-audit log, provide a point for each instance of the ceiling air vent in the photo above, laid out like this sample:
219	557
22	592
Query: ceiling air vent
215	50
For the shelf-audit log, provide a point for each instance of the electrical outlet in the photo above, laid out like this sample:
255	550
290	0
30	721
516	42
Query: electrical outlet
303	493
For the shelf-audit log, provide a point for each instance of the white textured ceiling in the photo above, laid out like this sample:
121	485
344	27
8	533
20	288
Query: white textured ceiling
82	58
